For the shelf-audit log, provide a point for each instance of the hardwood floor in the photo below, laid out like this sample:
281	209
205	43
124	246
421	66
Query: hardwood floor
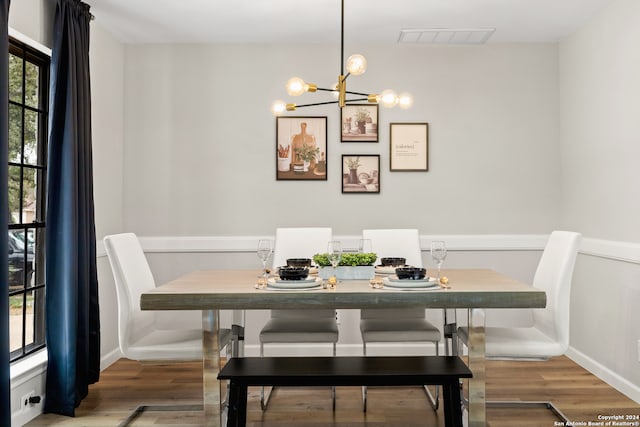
127	384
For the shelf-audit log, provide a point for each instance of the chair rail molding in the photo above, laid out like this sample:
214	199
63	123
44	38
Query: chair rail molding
610	249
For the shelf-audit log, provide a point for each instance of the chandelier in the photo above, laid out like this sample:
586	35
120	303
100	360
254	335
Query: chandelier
356	65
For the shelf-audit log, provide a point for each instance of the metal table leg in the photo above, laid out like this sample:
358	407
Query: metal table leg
477	397
210	368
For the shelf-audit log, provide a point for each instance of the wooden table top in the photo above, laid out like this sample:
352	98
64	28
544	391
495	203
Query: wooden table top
235	289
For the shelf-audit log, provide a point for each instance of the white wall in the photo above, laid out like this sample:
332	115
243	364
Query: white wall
600	141
107	102
200	140
33	18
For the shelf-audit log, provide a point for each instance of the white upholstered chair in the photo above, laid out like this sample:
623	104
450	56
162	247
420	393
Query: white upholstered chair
548	334
394	325
299	326
151	336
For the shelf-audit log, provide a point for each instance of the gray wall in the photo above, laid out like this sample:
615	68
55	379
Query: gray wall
200	140
600	141
107	96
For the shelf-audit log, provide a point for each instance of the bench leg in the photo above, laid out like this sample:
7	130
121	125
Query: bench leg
452	406
237	409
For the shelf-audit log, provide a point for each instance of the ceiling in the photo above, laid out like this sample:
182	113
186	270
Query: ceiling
318	21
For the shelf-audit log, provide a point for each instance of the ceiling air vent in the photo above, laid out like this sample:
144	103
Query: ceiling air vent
445	35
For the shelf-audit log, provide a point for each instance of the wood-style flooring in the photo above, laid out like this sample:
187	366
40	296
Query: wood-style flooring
127	384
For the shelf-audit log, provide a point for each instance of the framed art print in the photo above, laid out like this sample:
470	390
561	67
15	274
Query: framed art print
301	148
360	173
359	123
409	146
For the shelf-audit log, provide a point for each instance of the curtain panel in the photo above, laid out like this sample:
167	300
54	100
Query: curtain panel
72	318
5	383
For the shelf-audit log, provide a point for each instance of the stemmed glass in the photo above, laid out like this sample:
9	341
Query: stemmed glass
364	246
334	250
265	249
438	253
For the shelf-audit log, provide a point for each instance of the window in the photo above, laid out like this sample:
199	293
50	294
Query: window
28	105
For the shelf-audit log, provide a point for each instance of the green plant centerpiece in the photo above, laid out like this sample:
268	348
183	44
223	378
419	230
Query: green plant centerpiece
348	259
351	266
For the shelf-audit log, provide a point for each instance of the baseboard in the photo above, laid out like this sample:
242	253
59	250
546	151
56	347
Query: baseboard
109	359
616	381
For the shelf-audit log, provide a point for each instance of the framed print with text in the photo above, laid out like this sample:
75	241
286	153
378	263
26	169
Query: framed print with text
360	173
409	146
359	123
301	148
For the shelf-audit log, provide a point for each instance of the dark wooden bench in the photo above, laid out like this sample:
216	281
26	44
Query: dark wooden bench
445	371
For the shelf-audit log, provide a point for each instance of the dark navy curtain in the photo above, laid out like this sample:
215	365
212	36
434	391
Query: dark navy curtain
73	323
5	386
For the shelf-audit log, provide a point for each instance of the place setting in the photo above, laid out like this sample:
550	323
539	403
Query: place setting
293	278
406	278
393	273
298	274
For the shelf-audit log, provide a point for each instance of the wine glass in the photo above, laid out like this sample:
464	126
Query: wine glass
334	250
265	249
438	253
365	246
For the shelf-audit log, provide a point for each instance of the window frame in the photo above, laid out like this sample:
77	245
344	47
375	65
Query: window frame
36	286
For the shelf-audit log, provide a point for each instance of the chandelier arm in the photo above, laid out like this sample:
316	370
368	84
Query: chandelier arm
330	102
316	103
356	93
347	91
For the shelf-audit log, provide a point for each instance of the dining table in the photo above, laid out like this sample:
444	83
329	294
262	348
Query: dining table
213	290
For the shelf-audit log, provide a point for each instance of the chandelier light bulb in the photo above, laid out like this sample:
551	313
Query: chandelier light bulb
405	100
295	86
278	107
356	64
388	98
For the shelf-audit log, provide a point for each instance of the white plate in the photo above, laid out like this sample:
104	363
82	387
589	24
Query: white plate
310	288
309	282
394	282
384	269
395	289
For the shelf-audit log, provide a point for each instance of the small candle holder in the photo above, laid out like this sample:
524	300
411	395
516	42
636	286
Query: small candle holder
376	283
262	282
332	282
